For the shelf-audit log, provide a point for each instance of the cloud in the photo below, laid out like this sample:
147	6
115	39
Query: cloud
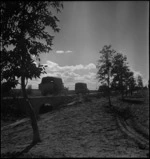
91	66
59	51
136	74
73	74
69	75
52	66
63	52
68	51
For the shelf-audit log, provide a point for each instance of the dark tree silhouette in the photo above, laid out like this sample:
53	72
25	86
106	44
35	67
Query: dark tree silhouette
120	71
104	67
24	35
139	82
103	89
130	82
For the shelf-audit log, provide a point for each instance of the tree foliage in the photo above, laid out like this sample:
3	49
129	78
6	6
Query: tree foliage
114	72
139	82
131	83
104	66
24	35
120	71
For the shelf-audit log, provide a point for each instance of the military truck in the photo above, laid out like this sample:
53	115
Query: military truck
81	88
51	85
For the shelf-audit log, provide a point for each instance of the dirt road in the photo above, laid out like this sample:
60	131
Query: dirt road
82	130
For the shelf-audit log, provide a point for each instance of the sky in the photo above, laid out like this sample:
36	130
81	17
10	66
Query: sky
86	26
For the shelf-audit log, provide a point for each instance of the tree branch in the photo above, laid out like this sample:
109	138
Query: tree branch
26	82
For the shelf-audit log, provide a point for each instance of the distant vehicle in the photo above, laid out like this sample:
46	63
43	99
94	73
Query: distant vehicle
81	88
51	85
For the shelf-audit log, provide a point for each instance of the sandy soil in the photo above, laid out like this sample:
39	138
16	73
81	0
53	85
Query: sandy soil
84	130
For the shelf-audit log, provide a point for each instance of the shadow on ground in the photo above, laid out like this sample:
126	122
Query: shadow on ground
133	101
18	154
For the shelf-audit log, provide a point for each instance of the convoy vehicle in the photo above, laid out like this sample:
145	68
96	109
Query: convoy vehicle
81	88
51	85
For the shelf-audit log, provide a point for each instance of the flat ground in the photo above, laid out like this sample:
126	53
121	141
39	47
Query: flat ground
85	129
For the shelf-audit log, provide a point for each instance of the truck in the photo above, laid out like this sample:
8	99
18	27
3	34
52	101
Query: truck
51	85
81	88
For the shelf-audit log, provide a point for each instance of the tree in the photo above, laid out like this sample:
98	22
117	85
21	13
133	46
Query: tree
24	35
104	67
103	89
139	82
130	82
120	72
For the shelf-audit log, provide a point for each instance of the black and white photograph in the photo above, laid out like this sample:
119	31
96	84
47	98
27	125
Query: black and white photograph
74	79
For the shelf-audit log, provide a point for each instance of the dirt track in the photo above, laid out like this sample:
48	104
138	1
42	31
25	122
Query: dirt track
83	130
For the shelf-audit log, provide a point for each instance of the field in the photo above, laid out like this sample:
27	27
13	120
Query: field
86	129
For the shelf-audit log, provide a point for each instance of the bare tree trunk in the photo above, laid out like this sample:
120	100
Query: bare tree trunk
109	99
31	113
109	90
126	92
121	84
122	93
131	92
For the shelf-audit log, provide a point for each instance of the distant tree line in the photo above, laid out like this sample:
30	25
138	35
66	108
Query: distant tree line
114	73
